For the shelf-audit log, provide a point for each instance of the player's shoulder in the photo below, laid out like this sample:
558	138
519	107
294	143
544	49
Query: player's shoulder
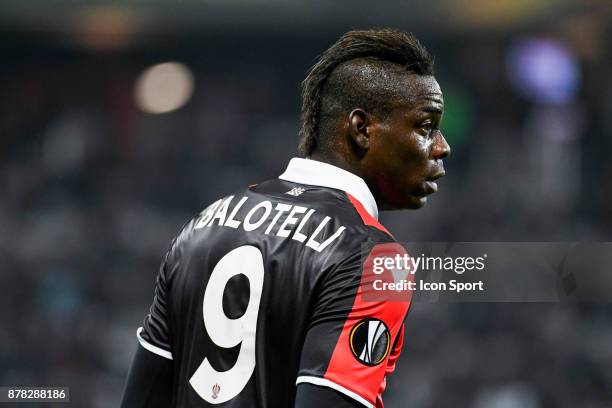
340	206
323	220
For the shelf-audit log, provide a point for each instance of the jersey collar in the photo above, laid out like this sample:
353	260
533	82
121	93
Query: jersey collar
313	172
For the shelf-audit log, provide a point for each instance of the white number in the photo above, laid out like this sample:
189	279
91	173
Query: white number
215	386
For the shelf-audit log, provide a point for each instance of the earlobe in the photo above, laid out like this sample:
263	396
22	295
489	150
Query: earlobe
358	128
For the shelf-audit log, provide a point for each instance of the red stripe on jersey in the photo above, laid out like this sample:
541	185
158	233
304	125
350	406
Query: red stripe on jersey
365	215
344	368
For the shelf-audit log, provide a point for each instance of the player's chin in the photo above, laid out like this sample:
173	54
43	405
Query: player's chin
419	196
416	202
411	202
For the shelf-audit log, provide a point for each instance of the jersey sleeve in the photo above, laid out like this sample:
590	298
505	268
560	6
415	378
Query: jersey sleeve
154	334
308	396
354	336
149	382
390	366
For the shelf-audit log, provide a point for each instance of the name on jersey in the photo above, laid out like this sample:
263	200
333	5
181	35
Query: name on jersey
265	216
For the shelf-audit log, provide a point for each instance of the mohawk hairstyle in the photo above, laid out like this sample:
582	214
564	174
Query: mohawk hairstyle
363	68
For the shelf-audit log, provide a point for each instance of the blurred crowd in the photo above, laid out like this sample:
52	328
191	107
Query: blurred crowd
93	190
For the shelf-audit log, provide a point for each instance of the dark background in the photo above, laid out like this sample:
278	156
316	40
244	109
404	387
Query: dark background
93	189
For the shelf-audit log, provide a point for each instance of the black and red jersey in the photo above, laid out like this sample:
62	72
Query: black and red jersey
261	292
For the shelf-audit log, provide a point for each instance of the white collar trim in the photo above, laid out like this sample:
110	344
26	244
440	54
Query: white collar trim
313	172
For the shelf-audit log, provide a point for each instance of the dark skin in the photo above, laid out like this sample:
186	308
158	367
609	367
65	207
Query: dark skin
399	155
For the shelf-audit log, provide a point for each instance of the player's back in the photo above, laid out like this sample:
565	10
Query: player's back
256	292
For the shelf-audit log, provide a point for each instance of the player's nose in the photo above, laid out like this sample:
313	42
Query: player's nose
441	148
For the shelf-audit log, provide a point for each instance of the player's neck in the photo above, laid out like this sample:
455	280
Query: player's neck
338	160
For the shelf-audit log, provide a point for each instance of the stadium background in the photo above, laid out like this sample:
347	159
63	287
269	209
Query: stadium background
94	183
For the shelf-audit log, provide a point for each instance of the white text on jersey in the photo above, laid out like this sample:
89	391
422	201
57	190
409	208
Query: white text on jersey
295	221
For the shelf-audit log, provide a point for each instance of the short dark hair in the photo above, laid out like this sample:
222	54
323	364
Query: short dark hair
363	68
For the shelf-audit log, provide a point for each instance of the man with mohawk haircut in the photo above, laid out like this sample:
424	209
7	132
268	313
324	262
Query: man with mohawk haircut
258	302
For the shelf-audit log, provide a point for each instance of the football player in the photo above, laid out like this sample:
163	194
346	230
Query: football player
259	302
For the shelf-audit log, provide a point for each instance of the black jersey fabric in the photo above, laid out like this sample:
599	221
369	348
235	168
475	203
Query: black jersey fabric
261	291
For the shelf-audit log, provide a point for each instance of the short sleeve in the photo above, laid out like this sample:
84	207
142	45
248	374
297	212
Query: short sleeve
354	337
154	333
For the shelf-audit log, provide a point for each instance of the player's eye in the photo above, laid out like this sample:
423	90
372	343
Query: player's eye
426	127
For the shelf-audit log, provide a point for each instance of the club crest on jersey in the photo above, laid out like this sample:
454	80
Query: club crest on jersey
370	341
215	391
296	191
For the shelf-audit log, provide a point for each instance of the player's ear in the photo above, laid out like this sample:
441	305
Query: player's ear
358	129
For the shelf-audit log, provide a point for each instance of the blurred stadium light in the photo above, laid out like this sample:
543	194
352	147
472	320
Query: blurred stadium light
163	16
543	70
106	28
164	87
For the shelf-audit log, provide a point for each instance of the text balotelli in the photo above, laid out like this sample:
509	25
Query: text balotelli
266	214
